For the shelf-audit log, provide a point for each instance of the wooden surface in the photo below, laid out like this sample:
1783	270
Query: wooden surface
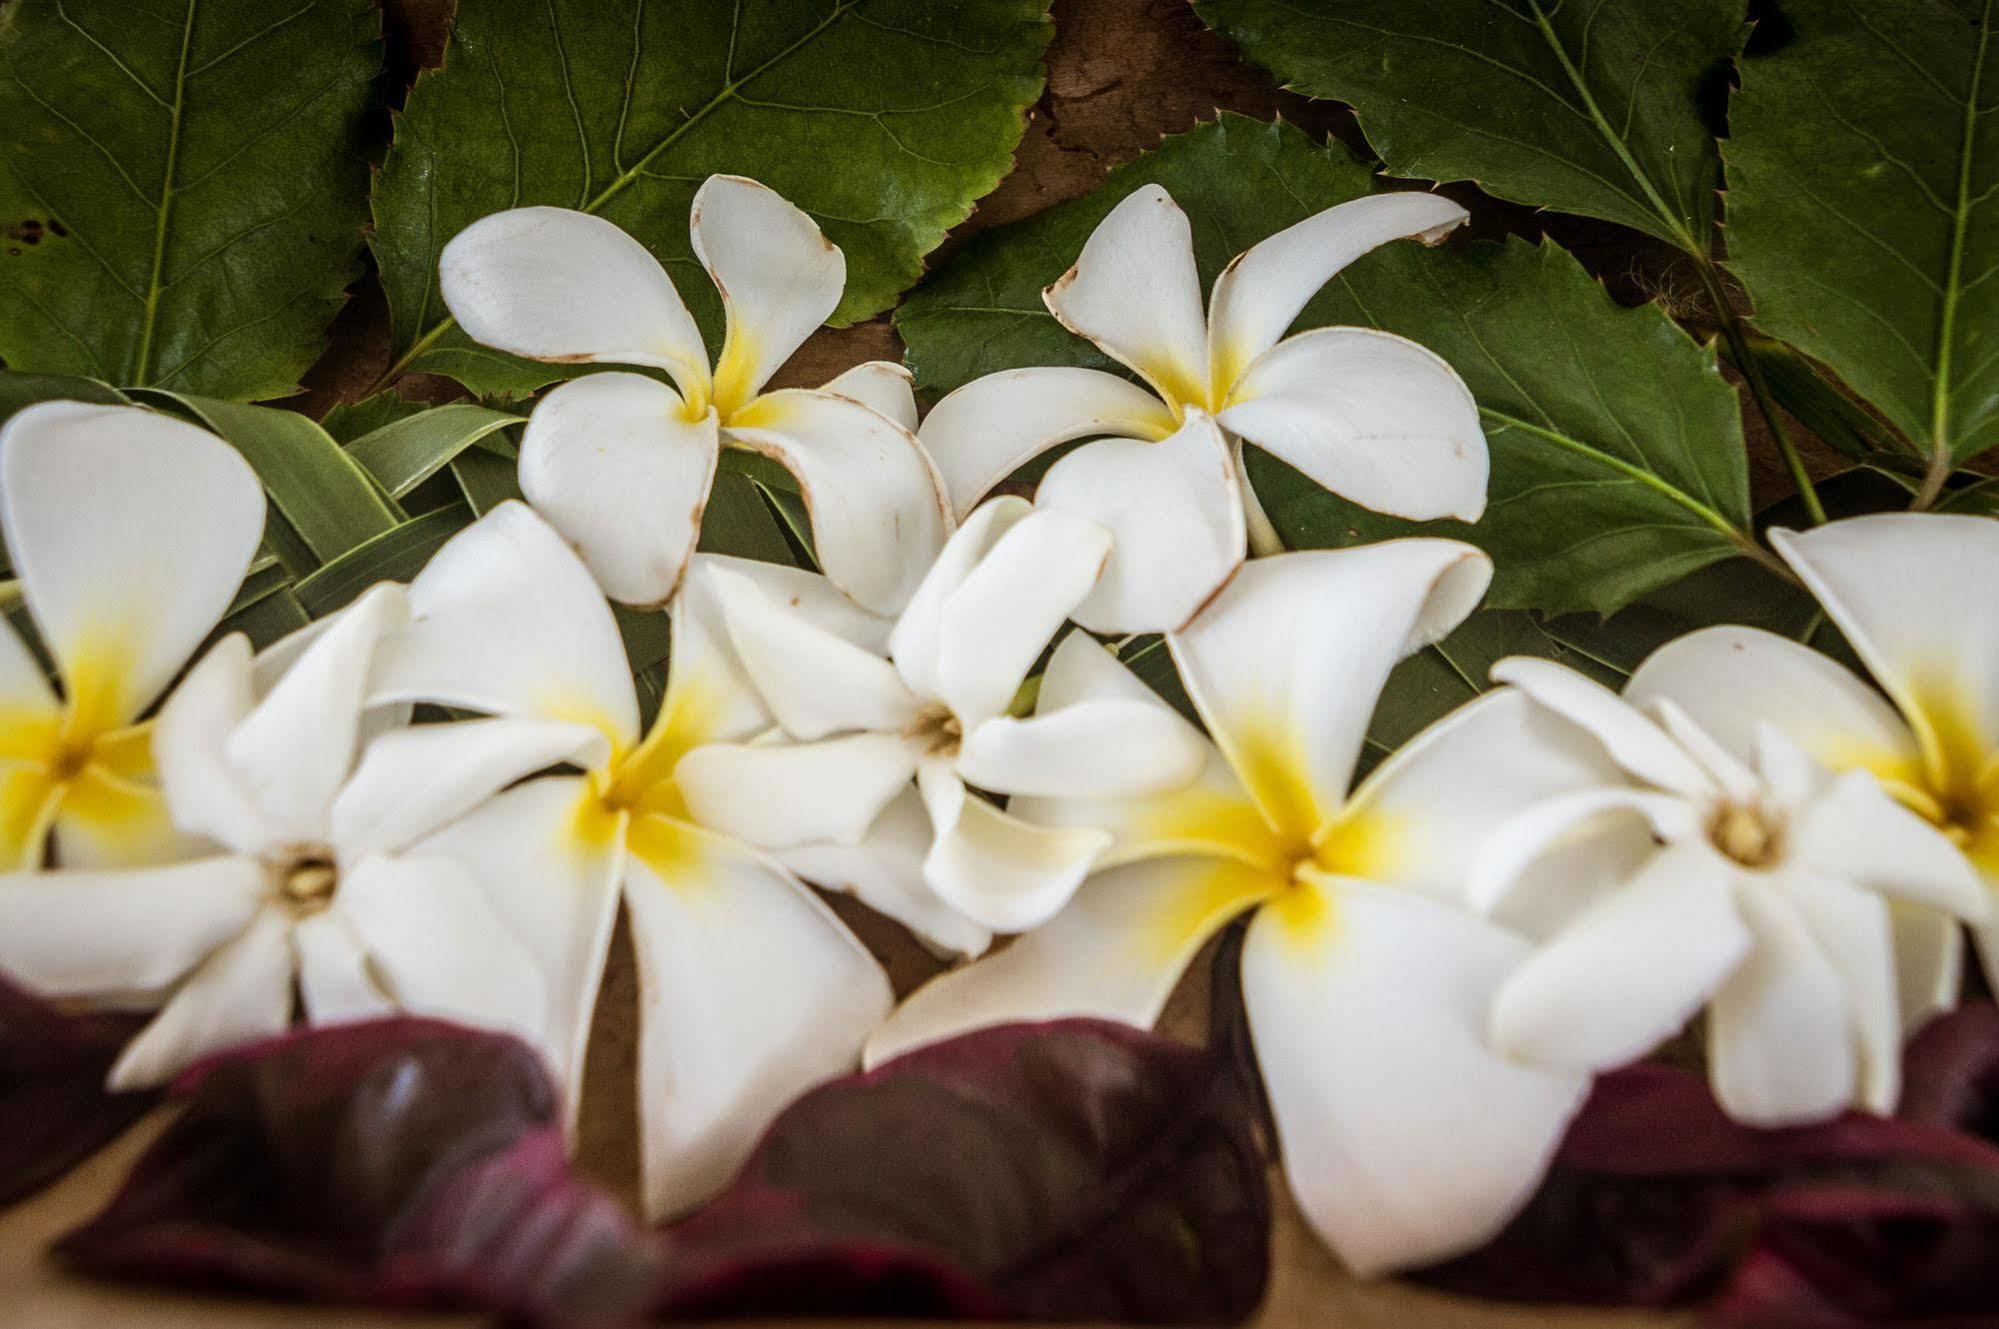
1122	73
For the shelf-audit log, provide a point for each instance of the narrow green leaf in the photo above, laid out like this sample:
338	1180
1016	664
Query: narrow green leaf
404	453
737	521
349	420
1820	406
486	479
1617	450
397	554
622	108
1862	168
326	497
182	186
19	390
265	608
647	634
1594	107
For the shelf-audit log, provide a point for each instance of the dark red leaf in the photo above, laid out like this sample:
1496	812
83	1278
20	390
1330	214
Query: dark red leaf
1071	1170
54	1111
1657	1197
399	1163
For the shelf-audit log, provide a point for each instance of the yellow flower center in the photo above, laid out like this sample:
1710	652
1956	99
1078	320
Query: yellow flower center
1749	835
305	877
937	731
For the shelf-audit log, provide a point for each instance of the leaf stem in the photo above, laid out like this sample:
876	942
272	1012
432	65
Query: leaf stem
1759	387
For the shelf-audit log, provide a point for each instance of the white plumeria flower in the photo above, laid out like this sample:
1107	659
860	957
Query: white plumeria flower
1913	594
1405	1139
621	464
1760	894
1369	415
130	533
861	726
322	881
750	990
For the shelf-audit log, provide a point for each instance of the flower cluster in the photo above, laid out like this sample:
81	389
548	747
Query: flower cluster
440	798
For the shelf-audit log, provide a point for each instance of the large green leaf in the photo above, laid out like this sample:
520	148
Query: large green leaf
182	186
1618	459
885	119
1590	106
1862	168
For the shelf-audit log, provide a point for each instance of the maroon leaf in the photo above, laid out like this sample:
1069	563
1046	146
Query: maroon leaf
1072	1170
54	1111
1657	1197
399	1163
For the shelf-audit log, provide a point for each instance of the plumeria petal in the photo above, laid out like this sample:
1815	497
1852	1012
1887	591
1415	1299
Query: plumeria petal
506	619
28	707
802	592
1422	817
879	515
1629	971
779	276
779	795
549	859
1263	290
1633	741
1857	833
883	386
616	464
1405	1138
205	793
1852	928
998	620
815	681
438	947
1134	292
750	992
334	982
295	748
124	930
1286	663
1112	748
916	642
553	284
884	871
1781	1046
1733	679
997	870
990	428
1929	962
105	820
1513	856
241	992
130	532
1912	594
1115	952
28	799
1210	815
411	782
1371	416
1175	513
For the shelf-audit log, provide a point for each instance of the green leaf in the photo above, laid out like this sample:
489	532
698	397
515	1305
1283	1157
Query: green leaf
18	391
1617	450
737	521
1862	168
884	119
1590	106
404	453
1444	676
182	186
320	491
486	480
397	554
348	420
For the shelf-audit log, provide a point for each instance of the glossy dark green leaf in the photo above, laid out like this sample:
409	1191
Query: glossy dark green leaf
321	492
349	420
404	453
885	119
1863	161
1590	106
1617	450
182	186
